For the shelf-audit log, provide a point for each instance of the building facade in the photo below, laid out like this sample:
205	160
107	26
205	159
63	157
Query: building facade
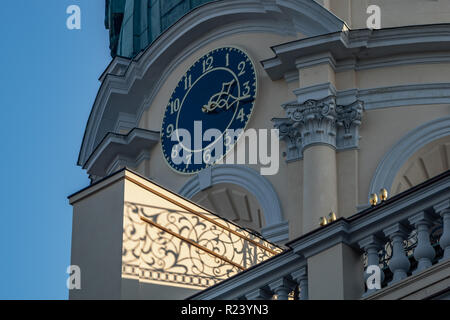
357	110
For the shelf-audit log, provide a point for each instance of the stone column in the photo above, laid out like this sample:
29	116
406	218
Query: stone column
319	185
316	121
313	130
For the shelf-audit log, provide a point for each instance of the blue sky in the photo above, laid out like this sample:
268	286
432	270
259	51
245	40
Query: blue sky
48	80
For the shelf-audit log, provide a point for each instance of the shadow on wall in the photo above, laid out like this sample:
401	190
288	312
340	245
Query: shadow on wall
183	248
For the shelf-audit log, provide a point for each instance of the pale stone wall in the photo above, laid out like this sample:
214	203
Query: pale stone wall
268	105
380	129
97	241
394	13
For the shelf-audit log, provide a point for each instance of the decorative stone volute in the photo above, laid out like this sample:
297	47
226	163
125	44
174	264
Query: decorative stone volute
291	136
315	120
348	121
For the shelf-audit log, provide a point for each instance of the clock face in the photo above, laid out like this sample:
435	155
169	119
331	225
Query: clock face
208	110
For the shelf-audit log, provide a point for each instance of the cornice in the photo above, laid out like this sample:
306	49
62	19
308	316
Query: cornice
363	49
127	149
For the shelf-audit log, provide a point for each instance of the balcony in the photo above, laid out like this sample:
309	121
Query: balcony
406	237
134	239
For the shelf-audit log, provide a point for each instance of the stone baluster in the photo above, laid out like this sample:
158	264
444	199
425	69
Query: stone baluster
443	209
301	278
424	252
372	245
399	263
259	294
282	288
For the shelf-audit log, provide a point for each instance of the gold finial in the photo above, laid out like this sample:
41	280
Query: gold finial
332	217
383	194
323	221
373	199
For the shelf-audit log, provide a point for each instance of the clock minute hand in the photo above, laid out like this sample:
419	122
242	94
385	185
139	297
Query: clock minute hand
216	101
238	99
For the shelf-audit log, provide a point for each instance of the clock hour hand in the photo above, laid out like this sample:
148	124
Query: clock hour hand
222	99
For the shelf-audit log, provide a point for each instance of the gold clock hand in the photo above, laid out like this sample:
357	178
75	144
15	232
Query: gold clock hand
211	106
216	102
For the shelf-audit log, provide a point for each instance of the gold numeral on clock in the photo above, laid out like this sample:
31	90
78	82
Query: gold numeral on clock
208	64
188	160
187	82
241	115
241	68
176	152
174	106
169	130
207	156
228	141
247	89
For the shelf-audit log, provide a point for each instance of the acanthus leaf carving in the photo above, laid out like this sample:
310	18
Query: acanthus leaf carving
319	122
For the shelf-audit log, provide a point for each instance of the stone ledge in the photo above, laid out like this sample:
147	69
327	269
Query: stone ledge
417	287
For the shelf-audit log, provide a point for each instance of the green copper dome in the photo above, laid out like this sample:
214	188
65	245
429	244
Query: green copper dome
134	24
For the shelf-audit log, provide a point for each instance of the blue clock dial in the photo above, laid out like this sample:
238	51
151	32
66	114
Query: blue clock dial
208	110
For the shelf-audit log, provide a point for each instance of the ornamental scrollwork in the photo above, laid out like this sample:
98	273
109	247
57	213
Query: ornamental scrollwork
180	247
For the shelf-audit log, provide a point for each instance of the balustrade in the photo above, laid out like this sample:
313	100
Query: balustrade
408	247
402	237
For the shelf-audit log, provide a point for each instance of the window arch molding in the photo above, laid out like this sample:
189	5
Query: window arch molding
276	228
405	148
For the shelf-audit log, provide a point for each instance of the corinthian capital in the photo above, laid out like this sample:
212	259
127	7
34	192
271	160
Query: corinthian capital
349	119
315	120
319	122
290	135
